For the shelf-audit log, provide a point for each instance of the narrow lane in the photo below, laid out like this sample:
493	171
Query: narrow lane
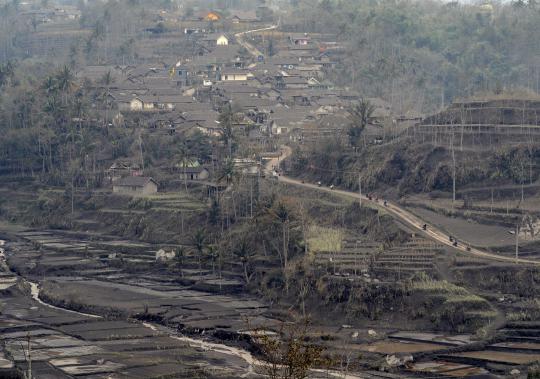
401	214
249	47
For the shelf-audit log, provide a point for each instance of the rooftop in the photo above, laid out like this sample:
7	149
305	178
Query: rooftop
134	181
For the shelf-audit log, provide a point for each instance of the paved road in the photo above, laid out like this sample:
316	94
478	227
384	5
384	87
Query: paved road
400	213
249	47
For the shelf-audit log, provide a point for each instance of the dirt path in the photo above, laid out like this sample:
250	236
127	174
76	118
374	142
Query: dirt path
400	213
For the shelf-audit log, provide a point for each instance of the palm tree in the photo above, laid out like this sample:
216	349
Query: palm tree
199	243
6	73
245	253
106	80
226	118
183	152
282	215
213	255
50	85
180	259
65	81
228	171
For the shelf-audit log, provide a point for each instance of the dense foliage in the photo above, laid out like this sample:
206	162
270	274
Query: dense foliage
422	54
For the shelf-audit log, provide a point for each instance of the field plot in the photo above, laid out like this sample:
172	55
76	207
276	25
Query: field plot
477	234
396	346
349	255
66	345
403	261
447	369
494	356
344	254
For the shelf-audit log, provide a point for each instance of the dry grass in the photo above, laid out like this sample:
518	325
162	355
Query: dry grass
322	239
465	299
441	287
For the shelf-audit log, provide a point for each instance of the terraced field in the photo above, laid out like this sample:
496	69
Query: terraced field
359	257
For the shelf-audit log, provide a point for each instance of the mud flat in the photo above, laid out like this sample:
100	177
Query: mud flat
64	345
67	344
446	369
493	356
452	340
396	347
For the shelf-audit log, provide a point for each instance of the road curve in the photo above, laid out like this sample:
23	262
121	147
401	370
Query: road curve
249	47
399	213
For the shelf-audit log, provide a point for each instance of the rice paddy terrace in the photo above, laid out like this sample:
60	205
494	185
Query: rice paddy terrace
359	257
482	124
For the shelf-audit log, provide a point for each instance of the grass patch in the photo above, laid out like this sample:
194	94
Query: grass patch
470	299
439	287
322	239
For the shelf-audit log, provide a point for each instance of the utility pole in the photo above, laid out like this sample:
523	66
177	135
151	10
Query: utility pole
453	172
28	357
517	242
251	197
360	188
491	208
141	152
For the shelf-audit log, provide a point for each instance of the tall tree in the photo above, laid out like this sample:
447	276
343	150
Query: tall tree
360	115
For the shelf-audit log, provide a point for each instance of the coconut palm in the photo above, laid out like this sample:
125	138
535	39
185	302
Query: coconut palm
66	82
212	252
199	243
244	252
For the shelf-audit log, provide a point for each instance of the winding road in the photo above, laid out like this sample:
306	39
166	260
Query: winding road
249	47
400	213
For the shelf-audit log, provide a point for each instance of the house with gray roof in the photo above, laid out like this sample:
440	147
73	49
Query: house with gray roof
135	186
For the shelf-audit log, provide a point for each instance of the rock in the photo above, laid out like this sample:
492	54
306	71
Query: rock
371	333
345	326
394	361
515	372
162	255
354	335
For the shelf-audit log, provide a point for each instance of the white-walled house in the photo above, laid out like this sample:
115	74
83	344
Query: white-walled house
222	40
235	75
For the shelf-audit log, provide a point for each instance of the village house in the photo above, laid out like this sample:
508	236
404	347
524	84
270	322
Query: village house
246	166
244	17
235	75
121	169
122	100
216	39
194	173
135	186
204	16
150	103
222	40
212	16
299	39
285	62
285	120
292	82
